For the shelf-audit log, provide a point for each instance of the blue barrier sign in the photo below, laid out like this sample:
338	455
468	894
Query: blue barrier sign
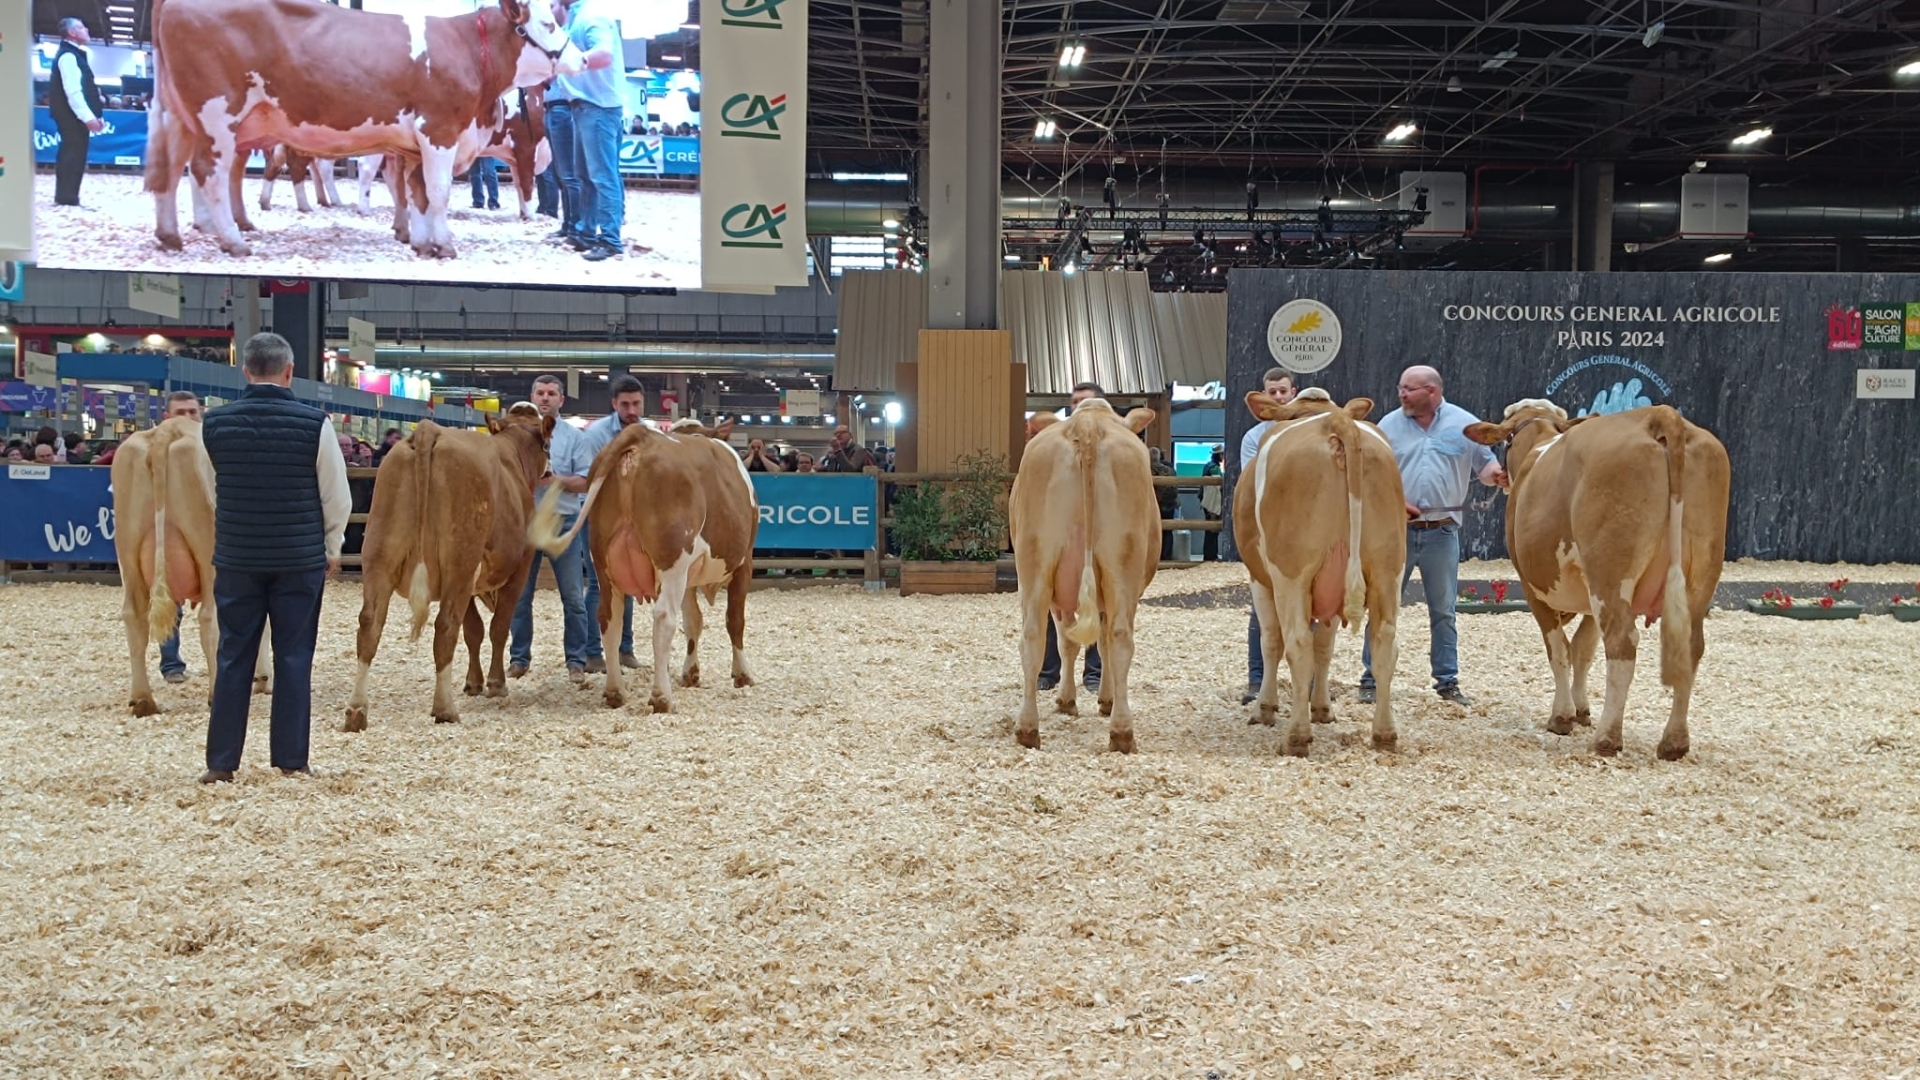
57	513
815	511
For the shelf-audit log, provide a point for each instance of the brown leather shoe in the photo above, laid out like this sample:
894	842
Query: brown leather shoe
596	665
304	770
217	776
516	671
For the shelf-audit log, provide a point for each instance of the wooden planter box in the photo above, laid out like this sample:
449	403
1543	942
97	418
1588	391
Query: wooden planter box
947	577
1805	610
1906	612
1488	607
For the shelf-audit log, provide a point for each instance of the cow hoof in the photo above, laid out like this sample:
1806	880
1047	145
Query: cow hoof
1321	714
446	718
1066	706
497	690
237	248
473	689
356	718
691	678
1561	725
1297	747
1028	739
1584	718
1385	740
1672	751
1605	747
169	241
144	706
262	685
1268	713
1120	742
742	680
614	699
660	703
1106	707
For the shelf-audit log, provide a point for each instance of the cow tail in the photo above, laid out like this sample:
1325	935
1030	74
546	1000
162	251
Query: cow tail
1346	435
544	531
160	603
420	587
1676	636
1085	629
160	165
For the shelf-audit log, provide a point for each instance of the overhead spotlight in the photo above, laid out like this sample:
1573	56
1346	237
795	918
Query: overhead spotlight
1108	194
1401	131
1652	36
1072	55
1069	268
1697	166
1499	59
1045	129
1753	137
890	224
1718	257
1453	85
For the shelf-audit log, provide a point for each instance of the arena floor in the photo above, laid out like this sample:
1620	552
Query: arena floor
113	227
850	869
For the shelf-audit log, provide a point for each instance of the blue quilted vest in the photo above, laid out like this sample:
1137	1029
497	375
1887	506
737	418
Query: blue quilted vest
264	447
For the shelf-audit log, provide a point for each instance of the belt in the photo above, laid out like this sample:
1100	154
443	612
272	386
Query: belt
1429	524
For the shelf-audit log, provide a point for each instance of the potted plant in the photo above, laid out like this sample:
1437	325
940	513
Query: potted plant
1470	601
1834	605
952	533
1907	608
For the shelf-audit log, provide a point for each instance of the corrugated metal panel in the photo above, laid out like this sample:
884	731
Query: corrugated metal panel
1090	326
1192	328
881	315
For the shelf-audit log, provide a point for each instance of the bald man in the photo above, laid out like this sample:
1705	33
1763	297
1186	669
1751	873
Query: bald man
1437	466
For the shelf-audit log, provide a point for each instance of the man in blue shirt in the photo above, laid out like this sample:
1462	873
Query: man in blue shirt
599	110
629	404
1278	384
568	459
1437	466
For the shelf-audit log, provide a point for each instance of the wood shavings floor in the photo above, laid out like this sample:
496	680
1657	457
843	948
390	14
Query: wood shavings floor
851	870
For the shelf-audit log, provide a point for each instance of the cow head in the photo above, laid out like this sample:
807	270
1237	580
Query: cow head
548	51
1311	402
1527	425
1040	422
529	433
687	425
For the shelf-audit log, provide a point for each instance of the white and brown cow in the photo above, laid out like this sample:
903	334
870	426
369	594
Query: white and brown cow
521	142
449	523
163	538
673	514
1612	518
297	167
329	82
1320	519
1086	542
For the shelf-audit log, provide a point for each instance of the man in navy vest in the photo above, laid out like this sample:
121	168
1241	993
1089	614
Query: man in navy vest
280	515
75	103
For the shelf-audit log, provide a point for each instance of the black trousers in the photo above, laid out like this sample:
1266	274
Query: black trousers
1050	664
246	604
70	162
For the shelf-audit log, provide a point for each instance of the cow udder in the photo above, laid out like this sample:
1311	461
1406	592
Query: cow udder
630	568
1330	584
183	573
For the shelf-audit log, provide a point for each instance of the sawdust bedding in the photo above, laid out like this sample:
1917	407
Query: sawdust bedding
850	869
113	227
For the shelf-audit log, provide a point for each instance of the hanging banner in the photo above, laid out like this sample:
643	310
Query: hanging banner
13	280
753	138
360	341
16	133
155	294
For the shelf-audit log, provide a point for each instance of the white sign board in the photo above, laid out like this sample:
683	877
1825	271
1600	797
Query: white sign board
29	472
360	342
42	369
803	403
16	132
753	144
1883	384
155	294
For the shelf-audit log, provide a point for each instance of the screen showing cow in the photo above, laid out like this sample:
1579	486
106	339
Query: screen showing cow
512	142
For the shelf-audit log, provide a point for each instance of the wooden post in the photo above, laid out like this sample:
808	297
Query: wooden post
1016	415
874	580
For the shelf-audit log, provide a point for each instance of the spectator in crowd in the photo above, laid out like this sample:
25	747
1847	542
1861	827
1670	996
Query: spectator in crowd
1211	500
569	457
759	459
43	454
16	451
387	441
46	436
280	513
844	455
1167	497
629	406
802	462
1277	383
172	668
598	106
78	452
75	103
1050	663
346	449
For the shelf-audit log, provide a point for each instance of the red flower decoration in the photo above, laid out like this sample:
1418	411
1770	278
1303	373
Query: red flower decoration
1826	601
1837	587
1499	592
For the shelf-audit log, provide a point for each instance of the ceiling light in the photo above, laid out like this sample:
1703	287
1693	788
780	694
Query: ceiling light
1068	269
1453	85
890	224
1045	129
1012	258
875	178
1652	36
1499	59
672	58
1909	69
766	418
1757	135
1401	131
1072	54
1718	257
892	411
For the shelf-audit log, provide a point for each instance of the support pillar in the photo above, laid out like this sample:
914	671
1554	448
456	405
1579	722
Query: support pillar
301	318
961	189
246	312
1593	216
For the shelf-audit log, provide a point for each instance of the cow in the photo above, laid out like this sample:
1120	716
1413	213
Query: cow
449	523
330	81
1320	519
163	539
297	167
1086	542
521	142
1612	517
675	515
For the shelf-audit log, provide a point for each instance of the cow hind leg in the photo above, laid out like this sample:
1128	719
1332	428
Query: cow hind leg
498	629
219	186
1585	639
436	177
374	597
1066	699
1116	667
1291	606
1383	622
1266	703
447	626
1674	741
1560	659
1322	697
666	618
1035	604
135	616
475	632
323	189
1621	639
737	623
696	620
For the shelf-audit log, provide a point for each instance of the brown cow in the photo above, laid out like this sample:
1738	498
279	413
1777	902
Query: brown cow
163	538
1320	519
1086	543
521	142
1613	517
449	522
297	167
677	515
330	81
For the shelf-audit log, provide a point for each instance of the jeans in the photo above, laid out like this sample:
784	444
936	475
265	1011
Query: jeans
1256	662
1050	664
560	141
1437	553
595	649
485	174
596	161
566	574
170	661
246	603
546	192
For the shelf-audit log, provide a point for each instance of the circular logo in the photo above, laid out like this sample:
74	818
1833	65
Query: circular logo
9	276
1304	336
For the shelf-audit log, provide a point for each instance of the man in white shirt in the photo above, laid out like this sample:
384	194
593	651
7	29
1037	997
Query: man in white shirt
1278	384
75	103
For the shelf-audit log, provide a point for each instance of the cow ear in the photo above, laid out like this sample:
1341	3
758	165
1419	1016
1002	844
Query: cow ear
515	11
494	424
1262	405
1359	407
724	431
546	429
1138	419
1486	434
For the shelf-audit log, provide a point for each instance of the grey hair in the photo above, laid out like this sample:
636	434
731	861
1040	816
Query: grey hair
266	355
69	25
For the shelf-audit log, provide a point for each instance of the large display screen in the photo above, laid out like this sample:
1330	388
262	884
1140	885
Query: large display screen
334	89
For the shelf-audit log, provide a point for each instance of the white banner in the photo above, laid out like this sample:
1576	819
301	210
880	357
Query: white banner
155	294
1884	384
802	403
753	142
360	341
41	369
16	132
